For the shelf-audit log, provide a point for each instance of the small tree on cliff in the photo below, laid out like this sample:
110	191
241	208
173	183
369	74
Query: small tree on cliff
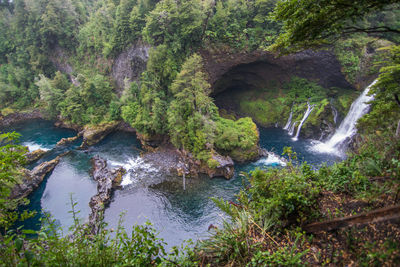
191	113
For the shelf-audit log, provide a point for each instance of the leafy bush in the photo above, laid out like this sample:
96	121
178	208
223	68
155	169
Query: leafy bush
282	196
80	248
283	256
231	135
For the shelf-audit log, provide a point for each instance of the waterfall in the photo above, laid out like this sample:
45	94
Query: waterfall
334	113
291	130
287	125
347	129
184	181
308	111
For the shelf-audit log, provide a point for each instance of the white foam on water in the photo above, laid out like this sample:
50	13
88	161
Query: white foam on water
271	160
136	168
32	146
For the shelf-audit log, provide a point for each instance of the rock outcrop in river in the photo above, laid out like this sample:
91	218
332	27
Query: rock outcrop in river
69	140
34	155
32	179
94	134
173	161
107	181
221	166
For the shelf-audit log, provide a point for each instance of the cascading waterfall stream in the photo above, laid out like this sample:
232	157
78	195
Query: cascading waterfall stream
334	113
308	111
347	129
289	122
291	130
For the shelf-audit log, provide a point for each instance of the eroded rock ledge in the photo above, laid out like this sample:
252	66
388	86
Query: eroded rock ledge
19	117
94	134
107	181
32	179
34	155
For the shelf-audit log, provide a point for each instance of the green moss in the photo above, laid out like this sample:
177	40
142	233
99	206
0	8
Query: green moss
316	115
264	112
344	101
7	111
212	163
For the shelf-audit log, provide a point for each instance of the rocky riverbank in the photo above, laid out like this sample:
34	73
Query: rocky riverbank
18	117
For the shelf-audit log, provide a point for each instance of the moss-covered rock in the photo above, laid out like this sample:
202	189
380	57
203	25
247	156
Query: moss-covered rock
215	166
9	117
92	134
218	166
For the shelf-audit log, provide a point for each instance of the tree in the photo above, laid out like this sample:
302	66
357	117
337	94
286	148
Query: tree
179	24
11	158
150	118
122	33
191	113
52	91
308	23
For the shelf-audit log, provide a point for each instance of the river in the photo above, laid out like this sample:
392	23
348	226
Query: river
147	193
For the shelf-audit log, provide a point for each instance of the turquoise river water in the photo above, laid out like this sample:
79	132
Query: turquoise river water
147	194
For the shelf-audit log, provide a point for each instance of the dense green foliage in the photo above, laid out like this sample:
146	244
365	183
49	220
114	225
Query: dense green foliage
385	112
242	24
191	113
310	23
11	159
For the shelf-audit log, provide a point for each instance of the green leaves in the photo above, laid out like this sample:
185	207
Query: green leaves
178	24
191	112
309	23
11	159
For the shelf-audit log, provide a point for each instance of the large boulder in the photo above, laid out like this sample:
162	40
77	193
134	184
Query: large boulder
69	140
152	142
221	166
